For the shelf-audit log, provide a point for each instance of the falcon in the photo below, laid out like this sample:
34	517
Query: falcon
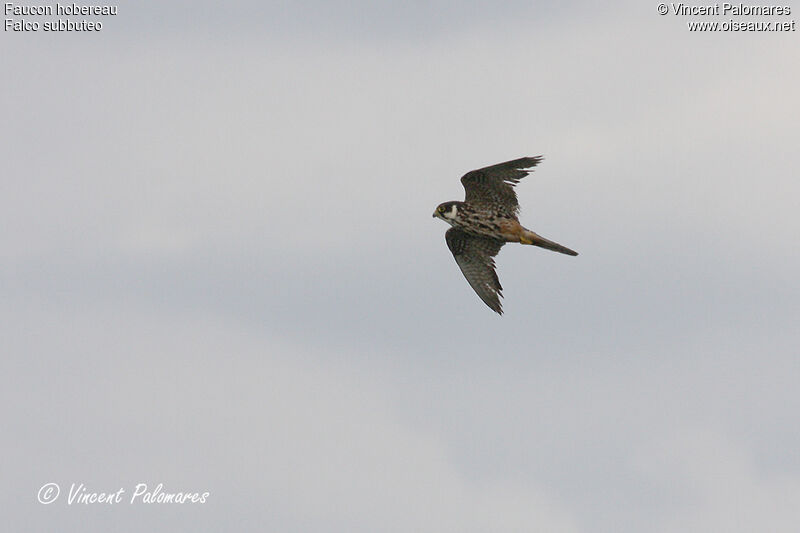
485	221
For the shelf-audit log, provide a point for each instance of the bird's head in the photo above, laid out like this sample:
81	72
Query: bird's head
447	211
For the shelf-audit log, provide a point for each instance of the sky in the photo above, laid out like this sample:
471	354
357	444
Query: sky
219	271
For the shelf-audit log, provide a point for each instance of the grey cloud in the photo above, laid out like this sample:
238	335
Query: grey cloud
220	269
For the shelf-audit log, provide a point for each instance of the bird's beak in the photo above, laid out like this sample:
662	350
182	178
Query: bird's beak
434	214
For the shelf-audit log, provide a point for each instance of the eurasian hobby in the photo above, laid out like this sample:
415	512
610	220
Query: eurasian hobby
485	221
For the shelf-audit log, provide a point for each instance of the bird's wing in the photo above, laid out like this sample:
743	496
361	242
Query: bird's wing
493	186
474	256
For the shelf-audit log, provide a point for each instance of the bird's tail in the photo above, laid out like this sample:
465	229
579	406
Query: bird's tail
529	237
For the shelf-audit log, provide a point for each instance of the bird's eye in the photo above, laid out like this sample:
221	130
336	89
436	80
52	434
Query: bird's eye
441	209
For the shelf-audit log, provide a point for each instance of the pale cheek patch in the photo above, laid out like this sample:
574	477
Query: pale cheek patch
452	213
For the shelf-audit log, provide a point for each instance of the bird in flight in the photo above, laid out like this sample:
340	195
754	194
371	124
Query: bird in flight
485	221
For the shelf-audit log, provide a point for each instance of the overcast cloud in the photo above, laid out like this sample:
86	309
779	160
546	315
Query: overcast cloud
219	270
